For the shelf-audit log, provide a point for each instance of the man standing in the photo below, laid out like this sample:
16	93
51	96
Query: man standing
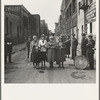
83	44
8	48
74	46
90	51
28	46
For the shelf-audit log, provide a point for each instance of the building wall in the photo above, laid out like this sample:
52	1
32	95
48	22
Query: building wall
13	29
37	26
80	14
91	18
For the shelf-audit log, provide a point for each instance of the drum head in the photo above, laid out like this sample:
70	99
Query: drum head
80	62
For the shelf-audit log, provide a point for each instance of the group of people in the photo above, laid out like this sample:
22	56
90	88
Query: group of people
41	50
57	49
88	49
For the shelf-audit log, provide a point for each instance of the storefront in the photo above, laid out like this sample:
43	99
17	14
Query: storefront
90	20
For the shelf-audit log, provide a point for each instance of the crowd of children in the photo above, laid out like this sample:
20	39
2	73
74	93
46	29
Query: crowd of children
42	51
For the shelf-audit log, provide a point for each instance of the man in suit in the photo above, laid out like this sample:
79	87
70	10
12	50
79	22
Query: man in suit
83	44
90	51
74	46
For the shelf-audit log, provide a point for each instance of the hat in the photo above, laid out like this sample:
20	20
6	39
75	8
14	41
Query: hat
83	34
90	35
73	34
42	35
51	37
34	36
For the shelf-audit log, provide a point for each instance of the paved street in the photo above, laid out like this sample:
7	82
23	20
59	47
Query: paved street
22	71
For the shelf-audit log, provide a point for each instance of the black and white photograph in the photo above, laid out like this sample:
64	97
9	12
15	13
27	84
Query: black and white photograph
53	41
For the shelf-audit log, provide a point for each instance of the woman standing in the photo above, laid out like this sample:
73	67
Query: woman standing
34	49
42	45
67	52
51	51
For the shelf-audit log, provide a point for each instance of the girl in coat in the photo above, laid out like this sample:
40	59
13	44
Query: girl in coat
42	45
51	51
34	49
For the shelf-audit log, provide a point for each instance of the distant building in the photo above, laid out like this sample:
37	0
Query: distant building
35	25
44	28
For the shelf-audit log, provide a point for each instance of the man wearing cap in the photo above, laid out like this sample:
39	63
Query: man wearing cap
74	46
90	51
83	44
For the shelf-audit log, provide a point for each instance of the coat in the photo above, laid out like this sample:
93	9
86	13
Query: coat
74	43
68	47
90	45
8	45
83	46
51	51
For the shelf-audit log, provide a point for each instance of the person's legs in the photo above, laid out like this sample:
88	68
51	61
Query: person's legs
75	53
5	57
91	61
44	64
28	53
62	64
72	53
9	54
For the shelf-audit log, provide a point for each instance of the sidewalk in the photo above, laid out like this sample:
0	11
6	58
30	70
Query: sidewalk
18	47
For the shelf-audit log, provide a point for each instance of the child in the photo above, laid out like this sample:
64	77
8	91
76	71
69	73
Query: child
62	48
51	51
34	49
42	45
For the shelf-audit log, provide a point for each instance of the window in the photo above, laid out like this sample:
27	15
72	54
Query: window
90	27
91	1
6	25
10	28
86	28
70	9
79	7
74	6
82	28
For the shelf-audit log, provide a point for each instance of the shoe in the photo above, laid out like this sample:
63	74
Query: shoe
88	68
63	67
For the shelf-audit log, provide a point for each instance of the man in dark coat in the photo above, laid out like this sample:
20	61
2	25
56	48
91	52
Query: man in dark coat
74	46
83	44
90	51
67	52
28	46
8	48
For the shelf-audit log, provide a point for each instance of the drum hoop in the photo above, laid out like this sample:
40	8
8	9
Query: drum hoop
76	58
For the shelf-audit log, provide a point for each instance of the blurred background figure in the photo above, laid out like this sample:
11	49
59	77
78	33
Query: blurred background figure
90	51
8	48
83	44
68	44
28	46
74	47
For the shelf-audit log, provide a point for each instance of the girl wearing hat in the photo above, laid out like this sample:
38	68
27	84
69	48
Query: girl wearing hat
34	49
51	51
62	48
42	45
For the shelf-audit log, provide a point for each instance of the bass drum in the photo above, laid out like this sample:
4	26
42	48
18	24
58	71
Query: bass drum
80	62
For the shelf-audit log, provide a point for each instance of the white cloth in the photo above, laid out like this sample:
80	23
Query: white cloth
42	44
